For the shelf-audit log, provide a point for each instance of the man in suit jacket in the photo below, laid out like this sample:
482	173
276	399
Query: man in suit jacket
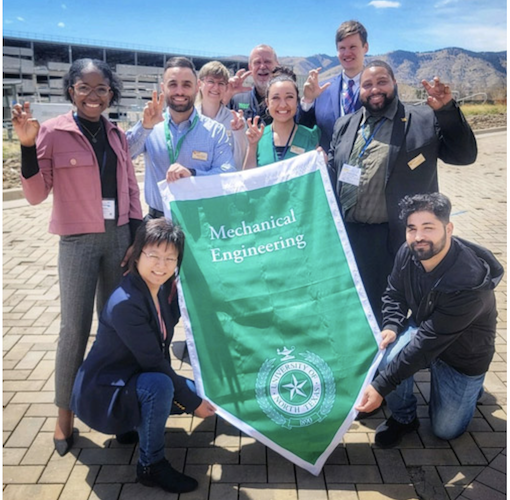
381	153
322	105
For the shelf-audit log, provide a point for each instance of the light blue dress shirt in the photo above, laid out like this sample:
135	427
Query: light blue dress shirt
205	149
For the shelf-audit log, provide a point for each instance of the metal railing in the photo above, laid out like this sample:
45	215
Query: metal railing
21	35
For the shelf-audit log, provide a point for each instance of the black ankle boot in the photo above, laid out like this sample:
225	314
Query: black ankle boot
163	475
390	433
130	437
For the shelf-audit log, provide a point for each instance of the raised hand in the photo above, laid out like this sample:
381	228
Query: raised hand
236	85
153	111
25	126
312	88
237	122
254	132
439	93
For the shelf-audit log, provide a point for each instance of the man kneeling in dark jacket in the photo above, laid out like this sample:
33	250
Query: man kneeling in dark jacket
448	285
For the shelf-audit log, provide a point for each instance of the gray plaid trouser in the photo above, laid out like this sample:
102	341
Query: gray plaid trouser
87	263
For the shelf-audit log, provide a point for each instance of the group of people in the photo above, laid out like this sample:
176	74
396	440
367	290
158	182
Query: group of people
382	158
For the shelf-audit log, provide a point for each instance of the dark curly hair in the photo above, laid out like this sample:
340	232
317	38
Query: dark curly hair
80	65
435	203
283	74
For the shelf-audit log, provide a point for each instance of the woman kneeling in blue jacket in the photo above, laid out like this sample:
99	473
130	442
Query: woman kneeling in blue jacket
126	383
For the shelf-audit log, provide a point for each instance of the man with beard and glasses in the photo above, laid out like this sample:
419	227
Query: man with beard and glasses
448	285
381	153
178	142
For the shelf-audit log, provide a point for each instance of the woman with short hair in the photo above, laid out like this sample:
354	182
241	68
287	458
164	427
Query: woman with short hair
213	81
126	385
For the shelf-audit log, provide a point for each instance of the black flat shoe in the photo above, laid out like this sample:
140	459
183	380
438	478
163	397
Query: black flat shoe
63	445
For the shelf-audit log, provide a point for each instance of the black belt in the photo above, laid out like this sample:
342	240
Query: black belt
155	214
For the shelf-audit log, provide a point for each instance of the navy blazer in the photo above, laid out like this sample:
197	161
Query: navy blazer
129	342
420	136
326	111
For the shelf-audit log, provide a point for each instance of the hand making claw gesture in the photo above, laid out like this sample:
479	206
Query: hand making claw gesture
25	126
153	111
254	132
237	122
236	85
439	93
312	88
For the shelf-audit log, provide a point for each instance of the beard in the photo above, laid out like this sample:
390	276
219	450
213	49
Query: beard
381	106
181	108
428	250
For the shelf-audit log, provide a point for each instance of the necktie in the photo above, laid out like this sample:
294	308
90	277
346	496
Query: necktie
349	98
349	192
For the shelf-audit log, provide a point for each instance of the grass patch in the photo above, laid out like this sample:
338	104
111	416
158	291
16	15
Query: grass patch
483	109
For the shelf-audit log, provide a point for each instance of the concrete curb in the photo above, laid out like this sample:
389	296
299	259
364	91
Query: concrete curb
17	193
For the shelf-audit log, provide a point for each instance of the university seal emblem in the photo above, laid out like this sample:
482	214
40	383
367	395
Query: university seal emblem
296	390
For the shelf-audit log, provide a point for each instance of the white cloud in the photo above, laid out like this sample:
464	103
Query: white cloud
8	21
467	35
19	18
61	25
384	4
64	6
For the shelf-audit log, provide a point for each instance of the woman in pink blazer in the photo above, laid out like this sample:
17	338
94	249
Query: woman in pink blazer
84	159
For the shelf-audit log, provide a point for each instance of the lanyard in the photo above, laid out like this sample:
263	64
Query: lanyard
275	155
103	164
174	154
369	140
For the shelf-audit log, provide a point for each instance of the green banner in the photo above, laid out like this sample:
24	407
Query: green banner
281	336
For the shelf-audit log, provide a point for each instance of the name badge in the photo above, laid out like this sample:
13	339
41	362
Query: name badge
350	174
416	162
108	209
199	155
297	150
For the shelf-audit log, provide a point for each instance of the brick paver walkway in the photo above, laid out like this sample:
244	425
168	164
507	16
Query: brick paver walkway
228	464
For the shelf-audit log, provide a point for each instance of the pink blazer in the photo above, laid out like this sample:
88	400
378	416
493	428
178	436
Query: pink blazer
69	166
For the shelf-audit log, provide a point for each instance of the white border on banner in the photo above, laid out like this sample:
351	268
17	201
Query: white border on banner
192	188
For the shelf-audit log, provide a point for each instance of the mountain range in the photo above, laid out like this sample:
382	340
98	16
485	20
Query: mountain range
465	71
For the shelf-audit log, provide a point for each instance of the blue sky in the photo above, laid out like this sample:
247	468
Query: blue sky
293	28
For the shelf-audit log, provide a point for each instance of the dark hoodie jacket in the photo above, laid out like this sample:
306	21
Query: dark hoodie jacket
455	313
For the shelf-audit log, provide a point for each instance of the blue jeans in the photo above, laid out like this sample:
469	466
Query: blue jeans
155	393
453	395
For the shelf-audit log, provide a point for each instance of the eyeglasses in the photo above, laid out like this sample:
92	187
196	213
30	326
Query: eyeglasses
156	259
211	83
83	89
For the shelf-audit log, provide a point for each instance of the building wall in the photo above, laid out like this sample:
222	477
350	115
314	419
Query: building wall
33	71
